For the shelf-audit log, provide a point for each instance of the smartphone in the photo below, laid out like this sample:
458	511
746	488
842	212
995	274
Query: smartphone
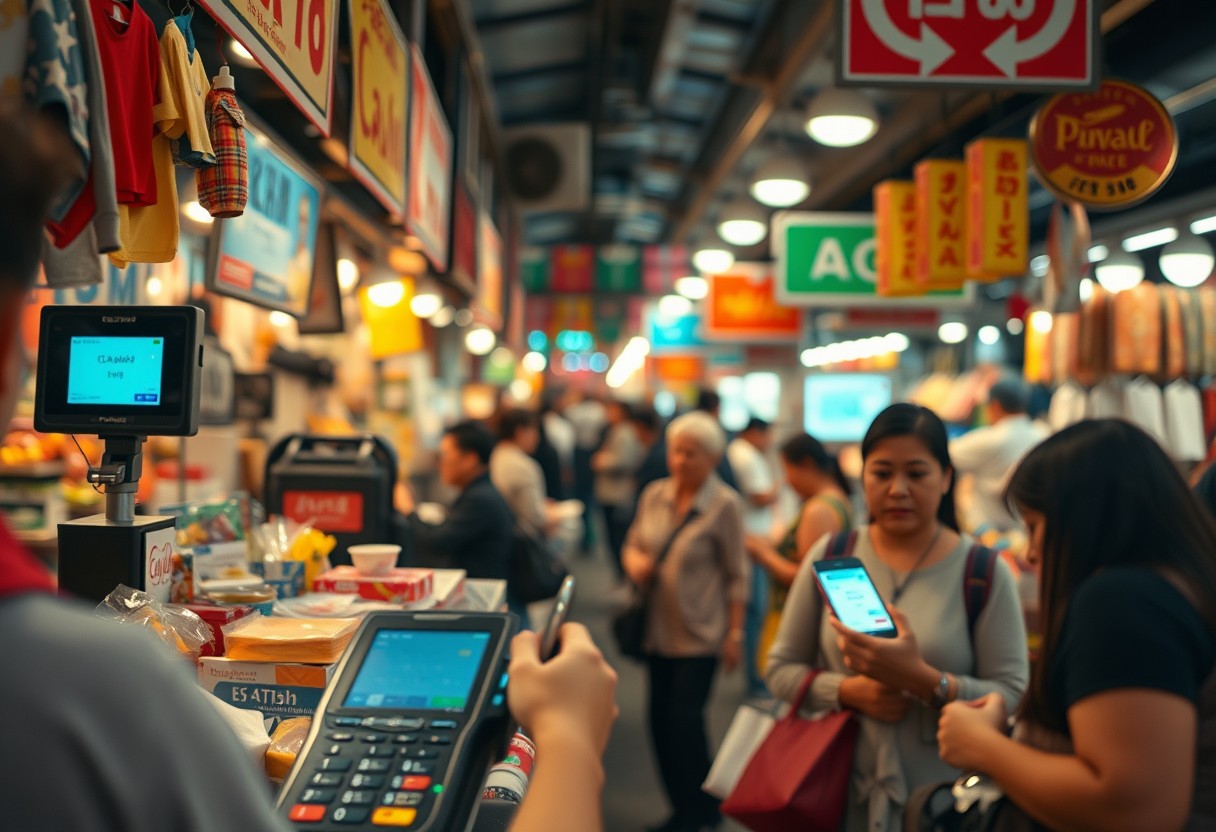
853	597
561	611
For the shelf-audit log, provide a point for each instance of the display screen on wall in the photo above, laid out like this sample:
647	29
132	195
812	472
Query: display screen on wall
265	256
839	407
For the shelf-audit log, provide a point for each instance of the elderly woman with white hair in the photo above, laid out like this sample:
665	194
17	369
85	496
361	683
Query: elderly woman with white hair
687	542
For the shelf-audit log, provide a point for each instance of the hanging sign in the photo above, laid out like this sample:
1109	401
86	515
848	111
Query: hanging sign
1009	44
378	120
572	268
895	228
265	256
488	300
662	266
534	268
827	259
394	330
998	217
430	177
742	306
618	268
1107	149
682	334
941	216
573	313
464	241
294	41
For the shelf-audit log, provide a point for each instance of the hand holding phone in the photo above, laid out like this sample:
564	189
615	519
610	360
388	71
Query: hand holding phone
561	612
854	599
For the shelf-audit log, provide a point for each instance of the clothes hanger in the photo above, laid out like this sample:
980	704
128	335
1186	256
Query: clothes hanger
184	21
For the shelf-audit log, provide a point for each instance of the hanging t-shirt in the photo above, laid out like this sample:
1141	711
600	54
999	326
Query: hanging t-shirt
1143	406
183	119
1184	422
1068	406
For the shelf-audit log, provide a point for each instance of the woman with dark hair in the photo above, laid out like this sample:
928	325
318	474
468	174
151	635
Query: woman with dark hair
917	559
815	477
1116	730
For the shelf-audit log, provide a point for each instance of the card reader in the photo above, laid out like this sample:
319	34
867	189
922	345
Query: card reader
414	717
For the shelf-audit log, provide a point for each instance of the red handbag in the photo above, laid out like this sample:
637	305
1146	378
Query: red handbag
799	776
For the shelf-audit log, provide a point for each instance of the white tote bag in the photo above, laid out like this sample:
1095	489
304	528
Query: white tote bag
747	730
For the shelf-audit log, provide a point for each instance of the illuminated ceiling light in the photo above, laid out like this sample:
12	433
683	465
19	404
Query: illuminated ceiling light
1149	239
1039	265
1120	271
426	304
386	295
1098	252
280	319
693	287
443	317
1041	321
521	390
952	332
807	358
242	54
672	307
534	362
480	340
348	274
502	356
781	182
989	335
153	287
1087	289
1014	326
195	212
896	342
713	260
841	118
1203	225
537	340
598	363
570	362
1188	261
464	317
742	223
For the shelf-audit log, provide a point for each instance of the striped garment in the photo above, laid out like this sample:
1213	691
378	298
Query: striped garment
223	188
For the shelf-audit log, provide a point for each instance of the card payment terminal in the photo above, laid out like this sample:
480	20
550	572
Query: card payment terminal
414	717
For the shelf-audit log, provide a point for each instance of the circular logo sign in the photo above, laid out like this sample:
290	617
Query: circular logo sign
1105	149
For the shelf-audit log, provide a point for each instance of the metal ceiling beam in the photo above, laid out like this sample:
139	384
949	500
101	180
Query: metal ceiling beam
487	24
681	18
815	28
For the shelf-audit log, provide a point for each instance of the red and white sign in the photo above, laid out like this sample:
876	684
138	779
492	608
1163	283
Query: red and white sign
1029	44
430	178
329	511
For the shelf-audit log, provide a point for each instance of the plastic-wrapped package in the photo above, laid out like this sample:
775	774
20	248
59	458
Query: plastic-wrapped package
302	640
285	745
175	626
249	727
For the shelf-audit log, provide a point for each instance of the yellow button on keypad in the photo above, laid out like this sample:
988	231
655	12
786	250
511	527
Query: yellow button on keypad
390	816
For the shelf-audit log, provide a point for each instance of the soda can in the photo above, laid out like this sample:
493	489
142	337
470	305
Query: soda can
499	793
521	754
507	783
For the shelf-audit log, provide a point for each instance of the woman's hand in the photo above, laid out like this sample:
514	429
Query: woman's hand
965	727
572	695
896	662
874	699
403	499
731	653
757	547
638	565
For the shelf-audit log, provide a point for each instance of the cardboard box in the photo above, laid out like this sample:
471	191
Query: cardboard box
399	586
217	617
277	689
286	576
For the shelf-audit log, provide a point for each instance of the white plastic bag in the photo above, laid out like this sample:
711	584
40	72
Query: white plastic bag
249	727
748	729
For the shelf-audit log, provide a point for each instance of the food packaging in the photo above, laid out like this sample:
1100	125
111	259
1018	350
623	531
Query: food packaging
277	689
285	745
216	616
176	627
249	591
303	640
398	586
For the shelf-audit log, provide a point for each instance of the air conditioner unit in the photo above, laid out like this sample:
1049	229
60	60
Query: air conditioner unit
549	166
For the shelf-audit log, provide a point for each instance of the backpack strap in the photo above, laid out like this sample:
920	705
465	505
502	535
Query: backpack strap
977	584
841	546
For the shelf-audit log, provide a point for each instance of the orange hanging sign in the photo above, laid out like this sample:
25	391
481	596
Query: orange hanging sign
998	218
742	307
395	330
941	214
895	229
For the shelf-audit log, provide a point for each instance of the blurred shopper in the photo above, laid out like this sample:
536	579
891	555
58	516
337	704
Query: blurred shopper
588	418
917	559
1116	729
615	464
518	476
988	454
813	474
475	535
748	455
559	433
697	608
654	468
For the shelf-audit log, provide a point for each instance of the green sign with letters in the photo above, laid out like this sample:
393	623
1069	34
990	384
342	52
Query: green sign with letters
828	259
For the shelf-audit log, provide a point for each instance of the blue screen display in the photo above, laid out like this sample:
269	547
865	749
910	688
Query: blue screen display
855	600
431	670
112	370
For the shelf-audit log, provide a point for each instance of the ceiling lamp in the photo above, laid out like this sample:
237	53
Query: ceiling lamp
195	212
242	54
386	295
1188	261
480	340
952	332
443	317
781	182
693	287
348	274
841	118
1151	239
1120	271
1041	321
674	307
713	260
742	223
425	305
989	335
535	362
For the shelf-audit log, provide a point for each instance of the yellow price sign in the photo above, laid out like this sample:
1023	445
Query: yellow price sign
379	103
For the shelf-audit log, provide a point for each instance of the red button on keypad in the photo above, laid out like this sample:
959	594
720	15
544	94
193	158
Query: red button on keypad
305	813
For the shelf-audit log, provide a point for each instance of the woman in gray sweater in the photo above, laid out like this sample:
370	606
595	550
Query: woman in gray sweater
916	557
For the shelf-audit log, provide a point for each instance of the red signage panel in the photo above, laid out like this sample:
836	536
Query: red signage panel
1009	44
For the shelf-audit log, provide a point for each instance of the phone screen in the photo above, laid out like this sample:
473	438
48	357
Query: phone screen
855	600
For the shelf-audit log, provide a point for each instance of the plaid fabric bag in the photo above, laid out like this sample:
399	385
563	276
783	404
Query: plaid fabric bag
223	188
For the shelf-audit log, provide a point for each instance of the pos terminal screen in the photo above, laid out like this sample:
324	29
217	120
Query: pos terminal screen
419	670
113	370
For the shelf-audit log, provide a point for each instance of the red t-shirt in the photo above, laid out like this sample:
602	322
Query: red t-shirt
130	62
20	571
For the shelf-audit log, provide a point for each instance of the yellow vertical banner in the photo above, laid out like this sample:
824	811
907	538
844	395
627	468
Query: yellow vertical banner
998	209
941	215
379	108
394	329
895	230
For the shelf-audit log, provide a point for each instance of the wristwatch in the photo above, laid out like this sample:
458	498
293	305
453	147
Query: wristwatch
941	693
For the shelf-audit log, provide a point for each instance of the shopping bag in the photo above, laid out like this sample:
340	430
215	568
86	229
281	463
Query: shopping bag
535	574
747	730
799	776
